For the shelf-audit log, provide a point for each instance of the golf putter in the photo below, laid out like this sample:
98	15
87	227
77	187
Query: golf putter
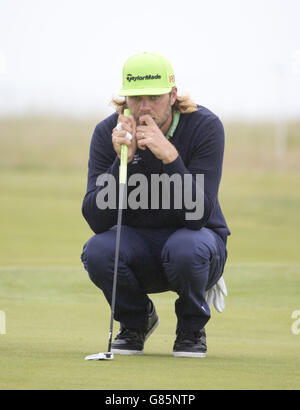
122	185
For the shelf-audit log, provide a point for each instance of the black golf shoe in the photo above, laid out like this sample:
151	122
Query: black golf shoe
131	341
190	343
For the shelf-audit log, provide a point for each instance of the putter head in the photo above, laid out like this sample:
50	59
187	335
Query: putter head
100	356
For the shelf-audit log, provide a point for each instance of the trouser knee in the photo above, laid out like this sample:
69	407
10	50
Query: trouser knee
185	264
193	257
98	257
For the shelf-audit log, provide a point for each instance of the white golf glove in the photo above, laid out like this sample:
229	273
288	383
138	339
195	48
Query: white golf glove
215	295
128	135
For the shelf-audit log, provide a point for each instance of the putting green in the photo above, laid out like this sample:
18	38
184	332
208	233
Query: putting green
55	317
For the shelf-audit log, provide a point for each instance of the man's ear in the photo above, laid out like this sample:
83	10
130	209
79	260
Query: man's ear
173	95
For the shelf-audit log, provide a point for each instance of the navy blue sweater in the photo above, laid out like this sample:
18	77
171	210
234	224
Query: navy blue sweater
199	140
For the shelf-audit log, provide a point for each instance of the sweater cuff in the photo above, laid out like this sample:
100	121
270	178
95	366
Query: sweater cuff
175	167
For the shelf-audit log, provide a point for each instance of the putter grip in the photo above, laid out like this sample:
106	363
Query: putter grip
123	159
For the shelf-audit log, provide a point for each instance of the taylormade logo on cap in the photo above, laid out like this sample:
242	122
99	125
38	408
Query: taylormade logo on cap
130	77
147	74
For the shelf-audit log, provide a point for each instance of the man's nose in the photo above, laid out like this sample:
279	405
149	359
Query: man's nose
145	105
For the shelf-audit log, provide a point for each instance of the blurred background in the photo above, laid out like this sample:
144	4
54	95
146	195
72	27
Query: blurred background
60	65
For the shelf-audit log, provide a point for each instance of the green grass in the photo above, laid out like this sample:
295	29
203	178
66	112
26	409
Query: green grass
55	316
262	213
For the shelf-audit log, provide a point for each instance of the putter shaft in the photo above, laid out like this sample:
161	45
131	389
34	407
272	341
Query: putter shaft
113	301
122	186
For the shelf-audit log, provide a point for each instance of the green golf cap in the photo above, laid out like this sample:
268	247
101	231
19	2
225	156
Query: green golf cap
147	74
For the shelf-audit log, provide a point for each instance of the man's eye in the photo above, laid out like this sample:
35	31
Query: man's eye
154	97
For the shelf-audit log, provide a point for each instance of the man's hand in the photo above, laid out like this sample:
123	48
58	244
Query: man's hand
149	135
119	136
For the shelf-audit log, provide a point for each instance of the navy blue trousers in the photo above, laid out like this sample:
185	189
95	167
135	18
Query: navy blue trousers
157	260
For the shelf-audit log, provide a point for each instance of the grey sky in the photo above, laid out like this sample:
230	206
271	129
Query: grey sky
236	57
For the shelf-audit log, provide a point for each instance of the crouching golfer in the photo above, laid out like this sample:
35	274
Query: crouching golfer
168	241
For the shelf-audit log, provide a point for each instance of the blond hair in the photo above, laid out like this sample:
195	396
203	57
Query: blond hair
183	104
